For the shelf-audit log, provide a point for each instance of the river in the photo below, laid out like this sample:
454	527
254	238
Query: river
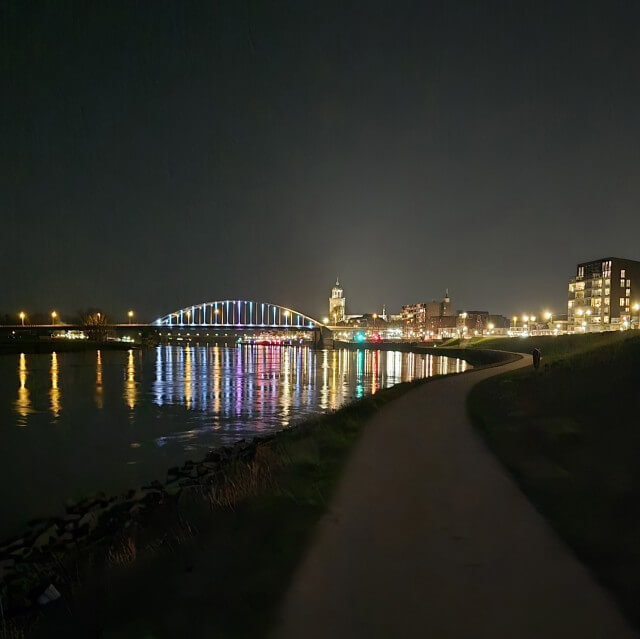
76	423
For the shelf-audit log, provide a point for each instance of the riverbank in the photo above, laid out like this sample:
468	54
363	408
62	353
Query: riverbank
568	434
488	356
229	530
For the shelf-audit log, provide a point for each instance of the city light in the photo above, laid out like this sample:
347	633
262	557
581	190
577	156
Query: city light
525	318
547	315
130	314
22	316
325	320
53	317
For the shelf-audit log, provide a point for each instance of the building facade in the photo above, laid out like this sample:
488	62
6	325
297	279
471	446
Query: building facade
337	304
604	295
418	317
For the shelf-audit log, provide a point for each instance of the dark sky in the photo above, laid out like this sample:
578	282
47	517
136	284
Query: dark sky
158	154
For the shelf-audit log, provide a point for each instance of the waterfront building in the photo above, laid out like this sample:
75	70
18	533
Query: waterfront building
416	317
604	295
337	304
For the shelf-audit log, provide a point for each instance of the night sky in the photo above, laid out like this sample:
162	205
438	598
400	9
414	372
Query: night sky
159	154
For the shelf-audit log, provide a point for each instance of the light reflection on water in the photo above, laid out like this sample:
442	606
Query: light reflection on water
74	423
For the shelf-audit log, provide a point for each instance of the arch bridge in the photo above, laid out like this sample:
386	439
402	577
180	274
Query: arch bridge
239	314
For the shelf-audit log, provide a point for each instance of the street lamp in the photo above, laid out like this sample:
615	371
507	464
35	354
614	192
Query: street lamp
325	320
464	322
53	317
130	314
22	316
636	308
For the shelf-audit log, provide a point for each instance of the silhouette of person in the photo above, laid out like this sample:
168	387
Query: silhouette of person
536	357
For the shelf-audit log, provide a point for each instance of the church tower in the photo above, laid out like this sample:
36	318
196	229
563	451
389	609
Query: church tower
337	303
445	305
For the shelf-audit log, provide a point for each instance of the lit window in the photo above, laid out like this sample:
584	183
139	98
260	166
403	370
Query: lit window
621	282
628	282
628	292
622	301
607	291
607	282
622	273
606	319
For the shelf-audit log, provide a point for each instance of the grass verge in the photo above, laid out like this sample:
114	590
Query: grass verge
569	435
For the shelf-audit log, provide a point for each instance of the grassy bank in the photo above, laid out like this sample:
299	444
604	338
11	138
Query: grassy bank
213	560
552	347
569	435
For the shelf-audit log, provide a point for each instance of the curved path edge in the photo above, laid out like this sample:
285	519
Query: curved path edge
427	535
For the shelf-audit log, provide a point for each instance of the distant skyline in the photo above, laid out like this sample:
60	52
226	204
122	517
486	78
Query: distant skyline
163	154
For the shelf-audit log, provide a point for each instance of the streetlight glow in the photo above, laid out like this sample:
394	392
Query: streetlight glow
53	317
22	316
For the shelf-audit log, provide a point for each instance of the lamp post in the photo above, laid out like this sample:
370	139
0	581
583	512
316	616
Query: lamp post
130	315
53	317
464	323
636	308
22	316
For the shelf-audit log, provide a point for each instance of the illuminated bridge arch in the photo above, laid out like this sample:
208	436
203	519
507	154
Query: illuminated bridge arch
239	314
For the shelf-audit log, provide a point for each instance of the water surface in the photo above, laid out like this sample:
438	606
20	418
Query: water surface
75	423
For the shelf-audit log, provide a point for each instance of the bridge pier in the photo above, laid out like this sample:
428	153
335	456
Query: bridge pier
322	337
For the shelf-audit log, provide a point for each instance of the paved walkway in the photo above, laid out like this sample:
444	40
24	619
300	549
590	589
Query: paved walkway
428	536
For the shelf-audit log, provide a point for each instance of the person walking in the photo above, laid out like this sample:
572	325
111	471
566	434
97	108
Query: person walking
537	355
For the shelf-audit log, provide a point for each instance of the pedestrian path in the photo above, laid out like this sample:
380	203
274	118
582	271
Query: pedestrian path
428	536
